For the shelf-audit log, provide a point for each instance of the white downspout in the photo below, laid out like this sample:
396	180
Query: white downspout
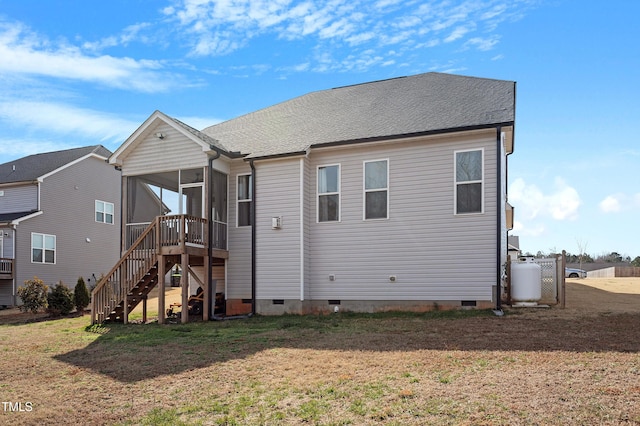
301	229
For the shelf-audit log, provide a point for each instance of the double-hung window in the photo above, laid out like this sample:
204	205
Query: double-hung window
43	248
245	189
376	189
469	181
329	193
104	212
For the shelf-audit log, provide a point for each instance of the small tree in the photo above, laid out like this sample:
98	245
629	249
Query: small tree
33	295
60	300
81	296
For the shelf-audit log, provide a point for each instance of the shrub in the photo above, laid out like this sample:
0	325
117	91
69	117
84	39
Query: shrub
81	296
60	300
33	295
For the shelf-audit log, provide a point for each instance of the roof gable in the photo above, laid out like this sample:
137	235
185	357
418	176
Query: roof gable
419	104
38	166
158	118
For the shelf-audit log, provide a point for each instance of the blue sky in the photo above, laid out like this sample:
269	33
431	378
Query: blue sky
76	73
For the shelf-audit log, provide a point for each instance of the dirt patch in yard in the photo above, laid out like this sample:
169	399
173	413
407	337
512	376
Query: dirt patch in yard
604	294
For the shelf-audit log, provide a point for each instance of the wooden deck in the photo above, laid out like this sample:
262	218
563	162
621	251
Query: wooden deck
169	240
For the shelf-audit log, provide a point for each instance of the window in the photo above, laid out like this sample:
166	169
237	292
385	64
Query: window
245	189
43	248
469	181
104	212
376	189
329	193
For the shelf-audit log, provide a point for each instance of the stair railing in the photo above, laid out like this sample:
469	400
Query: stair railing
132	267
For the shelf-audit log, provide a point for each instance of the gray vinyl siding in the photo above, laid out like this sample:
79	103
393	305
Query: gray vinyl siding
6	239
19	198
173	152
68	206
239	262
278	273
435	254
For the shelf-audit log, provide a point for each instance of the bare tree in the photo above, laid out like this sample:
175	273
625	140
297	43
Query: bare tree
582	248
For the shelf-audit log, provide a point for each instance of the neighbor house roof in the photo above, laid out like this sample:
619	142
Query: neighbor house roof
407	106
32	167
6	218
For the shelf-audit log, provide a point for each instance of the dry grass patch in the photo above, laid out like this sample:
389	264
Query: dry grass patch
527	367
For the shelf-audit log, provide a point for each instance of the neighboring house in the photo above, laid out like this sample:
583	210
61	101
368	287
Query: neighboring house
378	196
59	218
513	248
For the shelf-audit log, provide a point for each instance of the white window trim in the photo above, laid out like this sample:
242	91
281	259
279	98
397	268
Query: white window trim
339	193
455	182
247	200
104	214
55	249
365	190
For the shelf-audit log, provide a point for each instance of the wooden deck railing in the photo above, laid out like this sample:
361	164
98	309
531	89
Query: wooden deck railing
172	229
6	267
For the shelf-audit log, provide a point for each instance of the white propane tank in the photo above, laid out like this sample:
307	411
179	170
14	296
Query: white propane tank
526	282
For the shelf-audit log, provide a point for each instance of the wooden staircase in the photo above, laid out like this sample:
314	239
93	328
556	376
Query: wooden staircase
139	292
130	280
136	273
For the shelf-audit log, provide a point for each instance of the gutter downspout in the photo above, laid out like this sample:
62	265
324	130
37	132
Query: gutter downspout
15	264
253	238
499	220
212	312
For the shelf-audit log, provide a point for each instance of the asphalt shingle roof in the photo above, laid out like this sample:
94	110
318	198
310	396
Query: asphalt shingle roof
419	104
30	168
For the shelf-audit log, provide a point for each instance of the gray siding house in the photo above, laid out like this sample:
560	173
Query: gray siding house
59	218
378	196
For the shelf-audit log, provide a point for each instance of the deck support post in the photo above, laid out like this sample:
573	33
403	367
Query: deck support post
161	274
144	309
184	283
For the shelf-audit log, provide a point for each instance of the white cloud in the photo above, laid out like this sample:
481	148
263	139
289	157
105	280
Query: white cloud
561	203
457	33
616	203
344	28
534	230
611	204
24	53
128	35
482	43
64	120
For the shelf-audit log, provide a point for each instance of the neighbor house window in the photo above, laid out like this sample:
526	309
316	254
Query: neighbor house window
104	212
469	181
329	193
43	248
376	189
245	189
